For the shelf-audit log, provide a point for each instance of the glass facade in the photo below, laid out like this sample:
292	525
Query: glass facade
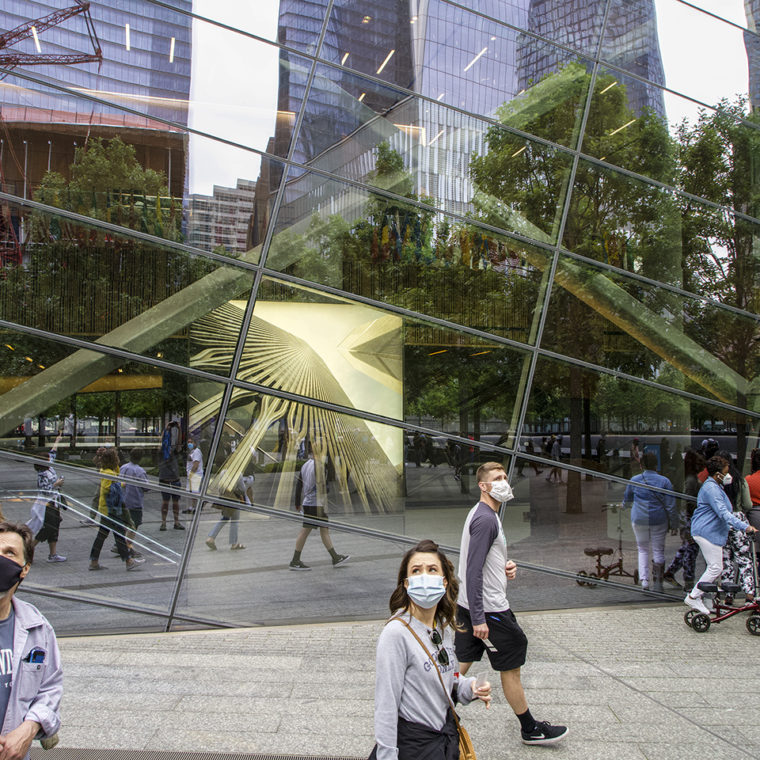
402	237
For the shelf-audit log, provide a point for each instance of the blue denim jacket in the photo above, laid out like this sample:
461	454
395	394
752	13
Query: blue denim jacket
714	514
37	687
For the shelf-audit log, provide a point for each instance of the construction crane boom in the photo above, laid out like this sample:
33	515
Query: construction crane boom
24	31
30	59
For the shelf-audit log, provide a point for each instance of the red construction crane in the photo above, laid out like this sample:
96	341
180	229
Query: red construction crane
10	58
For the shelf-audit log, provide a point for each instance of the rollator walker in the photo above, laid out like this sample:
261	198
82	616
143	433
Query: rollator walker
701	623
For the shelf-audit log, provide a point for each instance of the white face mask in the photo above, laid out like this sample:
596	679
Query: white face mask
501	491
425	590
727	479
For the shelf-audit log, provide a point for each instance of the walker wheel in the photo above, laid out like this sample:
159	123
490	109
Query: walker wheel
689	616
700	622
580	580
753	624
636	577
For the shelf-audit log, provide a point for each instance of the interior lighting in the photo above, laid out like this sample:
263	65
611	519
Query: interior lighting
519	151
480	353
29	359
609	87
159	355
440	97
8	345
442	351
475	59
435	138
120	370
521	92
366	19
362	96
171	50
413	20
41	366
603	158
127	43
344	59
385	62
620	129
36	39
493	39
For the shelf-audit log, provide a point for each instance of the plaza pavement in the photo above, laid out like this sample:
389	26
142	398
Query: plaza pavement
632	683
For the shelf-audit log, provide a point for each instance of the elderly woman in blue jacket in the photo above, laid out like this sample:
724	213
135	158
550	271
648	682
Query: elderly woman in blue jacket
709	527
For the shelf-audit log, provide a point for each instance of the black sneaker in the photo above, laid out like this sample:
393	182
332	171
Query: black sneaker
544	733
298	566
341	559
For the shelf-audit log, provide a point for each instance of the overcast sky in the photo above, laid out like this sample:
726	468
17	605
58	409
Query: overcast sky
234	82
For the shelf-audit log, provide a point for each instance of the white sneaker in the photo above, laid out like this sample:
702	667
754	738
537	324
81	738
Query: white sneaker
696	603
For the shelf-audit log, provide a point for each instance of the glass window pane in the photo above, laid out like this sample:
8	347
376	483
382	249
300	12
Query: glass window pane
691	52
580	404
373	246
85	413
664	235
331	349
458	58
77	280
606	318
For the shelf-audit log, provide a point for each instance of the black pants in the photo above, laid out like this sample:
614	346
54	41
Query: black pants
108	524
418	742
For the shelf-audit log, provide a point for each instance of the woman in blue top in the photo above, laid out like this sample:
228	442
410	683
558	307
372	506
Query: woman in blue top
709	527
650	515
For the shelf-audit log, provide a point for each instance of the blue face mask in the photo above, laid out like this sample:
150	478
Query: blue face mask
425	590
190	447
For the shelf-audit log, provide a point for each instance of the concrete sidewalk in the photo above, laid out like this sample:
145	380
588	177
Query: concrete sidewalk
630	684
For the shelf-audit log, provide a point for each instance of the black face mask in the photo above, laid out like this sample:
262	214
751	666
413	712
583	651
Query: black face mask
10	574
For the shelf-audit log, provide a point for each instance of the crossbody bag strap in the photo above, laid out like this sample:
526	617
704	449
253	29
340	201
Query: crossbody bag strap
435	665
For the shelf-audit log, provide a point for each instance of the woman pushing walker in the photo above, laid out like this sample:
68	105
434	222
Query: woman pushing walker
417	682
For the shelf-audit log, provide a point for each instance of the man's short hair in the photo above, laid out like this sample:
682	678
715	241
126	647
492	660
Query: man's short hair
649	460
135	455
486	468
26	536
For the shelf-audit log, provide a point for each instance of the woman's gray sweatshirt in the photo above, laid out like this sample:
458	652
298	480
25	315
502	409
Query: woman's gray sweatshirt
407	685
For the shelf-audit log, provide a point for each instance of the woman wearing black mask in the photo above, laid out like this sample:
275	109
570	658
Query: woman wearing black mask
413	715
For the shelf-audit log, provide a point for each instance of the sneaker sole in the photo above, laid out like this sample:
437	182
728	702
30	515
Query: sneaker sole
552	740
342	562
298	568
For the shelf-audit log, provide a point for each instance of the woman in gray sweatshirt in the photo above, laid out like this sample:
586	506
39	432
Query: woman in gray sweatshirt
413	719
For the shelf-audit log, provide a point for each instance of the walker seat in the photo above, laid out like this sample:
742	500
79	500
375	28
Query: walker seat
601	552
708	588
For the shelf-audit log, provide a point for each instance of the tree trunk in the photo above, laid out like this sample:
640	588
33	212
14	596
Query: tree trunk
574	504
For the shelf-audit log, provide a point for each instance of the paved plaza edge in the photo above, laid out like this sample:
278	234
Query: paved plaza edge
631	683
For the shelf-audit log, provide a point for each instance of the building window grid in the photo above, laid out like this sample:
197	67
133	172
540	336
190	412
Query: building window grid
435	158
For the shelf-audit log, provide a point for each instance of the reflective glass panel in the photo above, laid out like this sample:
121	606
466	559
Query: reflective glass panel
147	58
459	59
665	235
670	43
606	318
78	280
73	423
316	345
577	406
384	249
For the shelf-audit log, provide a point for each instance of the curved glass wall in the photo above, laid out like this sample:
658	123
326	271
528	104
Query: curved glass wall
411	237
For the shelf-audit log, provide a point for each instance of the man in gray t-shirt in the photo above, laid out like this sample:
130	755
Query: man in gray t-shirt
483	609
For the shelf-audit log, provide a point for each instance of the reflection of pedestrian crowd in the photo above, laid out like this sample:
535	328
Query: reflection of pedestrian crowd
717	521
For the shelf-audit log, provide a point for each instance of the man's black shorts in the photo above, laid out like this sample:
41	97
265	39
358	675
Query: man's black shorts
315	513
504	633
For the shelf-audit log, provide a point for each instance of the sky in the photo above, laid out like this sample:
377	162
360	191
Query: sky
235	79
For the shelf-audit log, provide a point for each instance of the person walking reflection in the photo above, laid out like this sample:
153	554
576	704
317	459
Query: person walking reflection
168	473
310	500
651	513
